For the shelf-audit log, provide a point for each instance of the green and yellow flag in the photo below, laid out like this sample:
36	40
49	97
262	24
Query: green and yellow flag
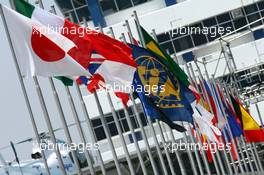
152	45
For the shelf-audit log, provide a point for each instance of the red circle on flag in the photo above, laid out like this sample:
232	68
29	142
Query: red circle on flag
46	49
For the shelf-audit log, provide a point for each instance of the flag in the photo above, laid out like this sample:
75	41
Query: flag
252	131
41	53
219	119
171	96
203	118
117	54
152	45
151	109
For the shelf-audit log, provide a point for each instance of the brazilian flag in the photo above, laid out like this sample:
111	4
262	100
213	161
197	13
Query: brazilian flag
165	98
152	45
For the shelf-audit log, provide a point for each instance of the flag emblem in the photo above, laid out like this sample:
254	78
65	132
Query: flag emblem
153	75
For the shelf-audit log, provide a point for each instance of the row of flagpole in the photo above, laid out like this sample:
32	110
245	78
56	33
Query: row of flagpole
217	159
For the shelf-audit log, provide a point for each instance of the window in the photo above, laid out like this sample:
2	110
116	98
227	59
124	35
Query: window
163	37
108	6
209	22
197	34
167	47
223	18
112	6
183	43
261	5
240	23
251	9
252	18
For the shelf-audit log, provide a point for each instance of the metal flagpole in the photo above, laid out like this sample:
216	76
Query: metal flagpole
196	153
230	132
45	112
225	154
80	130
49	125
176	152
119	130
152	161
89	124
256	158
166	150
118	125
62	116
88	119
149	121
21	82
107	133
259	114
64	124
236	84
141	161
207	99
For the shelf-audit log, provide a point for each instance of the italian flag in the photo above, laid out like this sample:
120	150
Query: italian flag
39	50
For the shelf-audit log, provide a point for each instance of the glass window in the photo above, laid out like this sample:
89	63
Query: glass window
136	2
100	134
209	22
183	43
251	8
64	5
108	6
123	4
113	129
167	47
240	23
225	28
84	13
254	17
163	37
79	3
261	5
96	122
223	18
197	34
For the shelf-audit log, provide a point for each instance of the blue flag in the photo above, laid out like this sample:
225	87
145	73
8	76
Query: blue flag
162	92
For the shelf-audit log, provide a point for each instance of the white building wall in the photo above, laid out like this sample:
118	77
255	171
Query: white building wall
180	14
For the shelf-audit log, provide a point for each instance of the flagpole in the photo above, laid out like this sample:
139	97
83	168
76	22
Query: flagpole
243	142
208	79
64	124
45	113
166	150
107	133
116	120
176	152
200	142
119	130
253	144
144	45
152	161
197	131
89	124
80	130
21	82
149	121
231	134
